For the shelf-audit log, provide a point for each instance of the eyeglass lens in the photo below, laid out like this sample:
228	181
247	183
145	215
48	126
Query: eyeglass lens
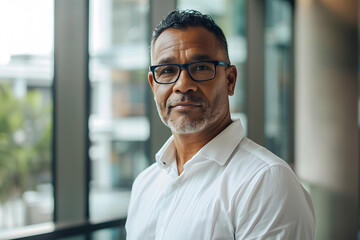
199	71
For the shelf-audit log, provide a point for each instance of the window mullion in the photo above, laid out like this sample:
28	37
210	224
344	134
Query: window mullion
70	110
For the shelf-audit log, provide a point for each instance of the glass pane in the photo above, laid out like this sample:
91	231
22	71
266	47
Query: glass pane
119	127
26	73
278	77
230	15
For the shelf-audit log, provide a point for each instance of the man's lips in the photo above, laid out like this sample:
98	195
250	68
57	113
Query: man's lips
186	105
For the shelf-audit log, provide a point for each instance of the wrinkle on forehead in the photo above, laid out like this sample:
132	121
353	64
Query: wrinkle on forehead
173	43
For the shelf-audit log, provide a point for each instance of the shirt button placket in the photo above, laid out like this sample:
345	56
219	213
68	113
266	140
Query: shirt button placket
169	202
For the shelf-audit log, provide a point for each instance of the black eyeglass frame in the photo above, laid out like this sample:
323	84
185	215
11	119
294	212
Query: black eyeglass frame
186	66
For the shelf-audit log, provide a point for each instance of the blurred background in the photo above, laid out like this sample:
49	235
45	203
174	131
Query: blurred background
78	122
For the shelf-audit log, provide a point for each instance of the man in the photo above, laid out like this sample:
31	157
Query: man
209	181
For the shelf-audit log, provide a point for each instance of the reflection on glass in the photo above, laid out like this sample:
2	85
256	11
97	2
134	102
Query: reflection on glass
277	77
230	16
119	128
26	73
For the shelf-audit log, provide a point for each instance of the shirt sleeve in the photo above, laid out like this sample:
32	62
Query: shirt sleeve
275	206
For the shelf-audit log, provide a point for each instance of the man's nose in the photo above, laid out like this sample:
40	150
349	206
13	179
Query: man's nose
184	83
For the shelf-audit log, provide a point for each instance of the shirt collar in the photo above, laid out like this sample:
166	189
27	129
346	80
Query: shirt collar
220	148
167	154
227	140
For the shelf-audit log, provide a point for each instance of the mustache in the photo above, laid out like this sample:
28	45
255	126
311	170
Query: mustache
183	98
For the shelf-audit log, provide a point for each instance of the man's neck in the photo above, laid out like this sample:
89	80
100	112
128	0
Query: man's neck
187	145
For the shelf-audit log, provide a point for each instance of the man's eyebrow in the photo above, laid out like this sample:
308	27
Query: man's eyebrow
166	60
200	57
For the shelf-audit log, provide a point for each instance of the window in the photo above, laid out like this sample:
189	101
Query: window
119	127
120	99
278	77
26	73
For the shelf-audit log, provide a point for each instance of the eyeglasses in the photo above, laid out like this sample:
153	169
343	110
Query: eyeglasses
199	71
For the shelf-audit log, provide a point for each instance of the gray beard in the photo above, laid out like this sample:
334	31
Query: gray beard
185	127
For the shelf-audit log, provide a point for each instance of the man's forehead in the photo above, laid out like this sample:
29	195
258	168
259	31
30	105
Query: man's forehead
172	40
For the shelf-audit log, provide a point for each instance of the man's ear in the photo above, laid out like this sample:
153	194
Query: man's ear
231	76
151	80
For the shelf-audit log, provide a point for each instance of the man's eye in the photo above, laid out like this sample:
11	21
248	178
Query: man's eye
202	68
167	70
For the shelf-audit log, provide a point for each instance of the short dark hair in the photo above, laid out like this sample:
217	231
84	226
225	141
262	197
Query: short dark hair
181	19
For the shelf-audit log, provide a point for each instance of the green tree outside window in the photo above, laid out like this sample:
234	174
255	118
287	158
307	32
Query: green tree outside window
25	142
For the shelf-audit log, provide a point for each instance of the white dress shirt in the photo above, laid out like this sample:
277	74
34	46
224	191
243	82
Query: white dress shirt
231	189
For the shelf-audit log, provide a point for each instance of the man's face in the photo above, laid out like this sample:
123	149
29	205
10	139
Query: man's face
187	106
